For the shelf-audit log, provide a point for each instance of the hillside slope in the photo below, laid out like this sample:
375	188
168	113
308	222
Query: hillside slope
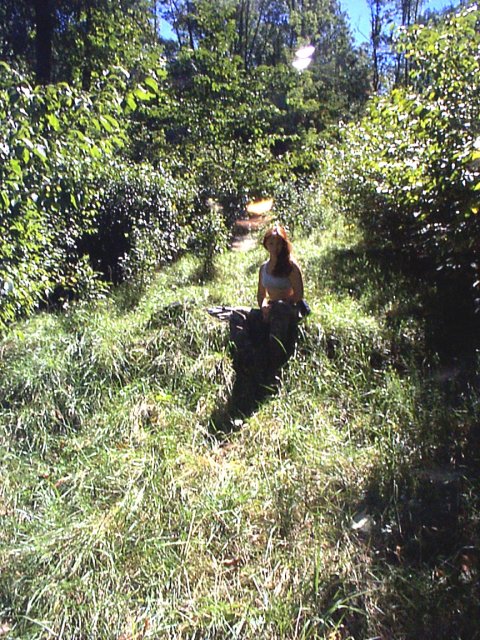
343	506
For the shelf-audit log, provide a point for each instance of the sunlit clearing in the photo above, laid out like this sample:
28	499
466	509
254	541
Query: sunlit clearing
260	207
305	52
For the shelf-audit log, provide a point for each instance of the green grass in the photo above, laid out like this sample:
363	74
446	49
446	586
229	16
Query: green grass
124	514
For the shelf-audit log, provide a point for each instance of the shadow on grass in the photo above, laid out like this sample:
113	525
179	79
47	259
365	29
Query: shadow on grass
405	288
259	353
422	529
247	395
425	543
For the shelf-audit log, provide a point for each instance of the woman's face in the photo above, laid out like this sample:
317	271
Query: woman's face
273	244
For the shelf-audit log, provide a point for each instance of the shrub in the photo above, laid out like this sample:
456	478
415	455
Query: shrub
300	205
55	142
140	223
410	171
209	234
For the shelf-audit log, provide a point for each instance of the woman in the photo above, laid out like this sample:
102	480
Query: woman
280	278
279	296
264	338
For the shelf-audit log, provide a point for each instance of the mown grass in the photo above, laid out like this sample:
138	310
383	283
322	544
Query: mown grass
344	506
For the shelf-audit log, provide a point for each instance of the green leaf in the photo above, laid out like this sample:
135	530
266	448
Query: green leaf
53	121
5	199
39	151
152	84
131	102
95	152
118	141
111	120
106	124
15	167
141	94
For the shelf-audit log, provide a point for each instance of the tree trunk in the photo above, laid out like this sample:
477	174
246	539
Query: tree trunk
43	40
87	48
375	34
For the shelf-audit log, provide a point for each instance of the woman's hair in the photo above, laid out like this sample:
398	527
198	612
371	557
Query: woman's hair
284	264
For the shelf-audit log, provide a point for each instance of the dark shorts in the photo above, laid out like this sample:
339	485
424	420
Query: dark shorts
267	344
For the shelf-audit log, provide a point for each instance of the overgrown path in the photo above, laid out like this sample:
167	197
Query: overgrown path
246	230
344	507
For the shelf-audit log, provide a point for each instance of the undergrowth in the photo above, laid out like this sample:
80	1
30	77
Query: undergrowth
343	506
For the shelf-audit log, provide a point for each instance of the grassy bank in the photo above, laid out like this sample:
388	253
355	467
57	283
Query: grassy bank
344	506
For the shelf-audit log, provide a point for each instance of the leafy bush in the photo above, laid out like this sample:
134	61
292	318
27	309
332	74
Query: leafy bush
140	222
410	171
300	205
209	234
55	143
69	210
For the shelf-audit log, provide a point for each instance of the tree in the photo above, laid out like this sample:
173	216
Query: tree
413	163
409	14
16	22
381	19
95	35
265	33
43	40
389	19
76	40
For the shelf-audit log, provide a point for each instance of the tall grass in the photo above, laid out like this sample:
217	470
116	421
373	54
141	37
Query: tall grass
344	506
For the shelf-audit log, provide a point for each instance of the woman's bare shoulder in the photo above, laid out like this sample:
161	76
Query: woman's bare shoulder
262	267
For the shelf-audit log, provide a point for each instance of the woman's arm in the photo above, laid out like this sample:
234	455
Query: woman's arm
262	296
296	280
261	292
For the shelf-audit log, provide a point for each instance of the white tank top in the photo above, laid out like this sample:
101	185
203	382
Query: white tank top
274	282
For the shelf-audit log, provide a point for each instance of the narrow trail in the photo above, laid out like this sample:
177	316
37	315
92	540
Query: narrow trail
245	231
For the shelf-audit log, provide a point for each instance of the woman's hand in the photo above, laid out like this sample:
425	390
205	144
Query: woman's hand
265	310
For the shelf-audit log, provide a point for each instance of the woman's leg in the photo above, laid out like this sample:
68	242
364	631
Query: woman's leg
282	334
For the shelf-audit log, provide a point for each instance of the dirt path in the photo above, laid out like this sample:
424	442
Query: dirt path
245	232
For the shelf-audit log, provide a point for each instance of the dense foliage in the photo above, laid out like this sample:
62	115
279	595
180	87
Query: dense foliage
118	169
410	171
55	143
74	41
137	224
141	149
